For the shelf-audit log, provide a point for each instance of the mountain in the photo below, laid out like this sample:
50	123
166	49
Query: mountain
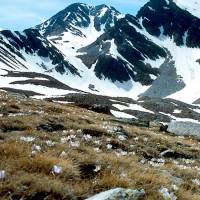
153	54
97	49
77	16
79	22
130	69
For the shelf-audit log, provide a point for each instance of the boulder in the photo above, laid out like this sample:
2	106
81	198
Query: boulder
184	128
104	109
119	193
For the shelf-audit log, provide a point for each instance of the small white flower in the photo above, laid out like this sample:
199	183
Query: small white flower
71	137
74	144
2	174
142	161
109	146
97	169
174	187
87	137
122	137
71	131
57	169
145	139
36	147
124	174
98	142
65	131
50	143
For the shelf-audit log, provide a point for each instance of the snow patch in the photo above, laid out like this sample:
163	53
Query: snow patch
122	115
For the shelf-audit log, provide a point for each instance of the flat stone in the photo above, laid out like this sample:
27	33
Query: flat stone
119	193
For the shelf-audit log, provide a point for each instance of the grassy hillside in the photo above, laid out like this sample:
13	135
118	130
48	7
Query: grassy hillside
94	151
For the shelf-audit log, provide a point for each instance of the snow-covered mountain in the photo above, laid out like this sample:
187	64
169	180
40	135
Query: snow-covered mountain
99	50
79	24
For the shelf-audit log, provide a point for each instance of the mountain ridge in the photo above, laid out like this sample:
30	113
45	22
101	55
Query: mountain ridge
117	54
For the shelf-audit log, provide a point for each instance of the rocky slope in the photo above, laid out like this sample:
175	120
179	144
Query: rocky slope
63	151
145	109
29	51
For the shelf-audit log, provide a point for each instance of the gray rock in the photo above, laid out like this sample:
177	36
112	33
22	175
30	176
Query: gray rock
184	128
167	83
119	193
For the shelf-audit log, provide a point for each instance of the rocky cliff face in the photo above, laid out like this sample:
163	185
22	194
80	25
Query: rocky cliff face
123	50
161	17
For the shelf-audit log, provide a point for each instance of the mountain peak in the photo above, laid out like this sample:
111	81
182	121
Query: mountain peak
77	7
79	15
102	6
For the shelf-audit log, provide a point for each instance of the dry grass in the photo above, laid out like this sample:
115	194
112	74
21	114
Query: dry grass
92	155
